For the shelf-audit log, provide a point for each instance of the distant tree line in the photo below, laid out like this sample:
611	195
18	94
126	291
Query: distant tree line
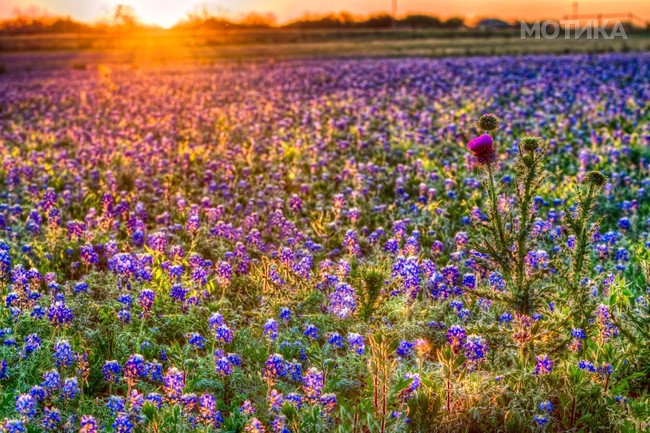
24	25
124	18
346	21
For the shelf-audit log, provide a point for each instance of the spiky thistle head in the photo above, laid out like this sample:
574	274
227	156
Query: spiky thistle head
488	122
596	179
530	144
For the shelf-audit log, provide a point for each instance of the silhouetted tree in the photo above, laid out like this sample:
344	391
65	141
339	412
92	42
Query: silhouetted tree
420	21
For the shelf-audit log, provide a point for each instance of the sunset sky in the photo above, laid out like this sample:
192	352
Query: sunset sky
167	12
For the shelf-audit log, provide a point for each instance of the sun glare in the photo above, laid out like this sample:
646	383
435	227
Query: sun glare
164	13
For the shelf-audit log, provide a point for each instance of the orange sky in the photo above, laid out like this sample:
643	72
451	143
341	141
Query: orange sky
167	12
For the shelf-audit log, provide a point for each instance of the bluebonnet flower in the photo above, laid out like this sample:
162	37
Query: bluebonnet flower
546	406
405	349
147	298
391	246
88	255
51	382
247	408
285	314
475	350
26	406
295	203
70	389
224	273
38	393
13	426
329	402
155	399
122	424
32	343
189	403
410	273
5	261
411	247
271	329
497	282
134	368
311	331
223	363
115	404
275	367
543	366
313	384
484	304
173	384
221	330
351	243
343	301
456	336
295	399
603	370
294	370
624	224
88	424
195	339
157	242
59	313
415	384
357	343
469	281
578	337
208	413
275	277
276	400
254	426
178	293
335	339
279	424
51	418
540	420
153	371
112	371
81	288
606	328
63	354
586	365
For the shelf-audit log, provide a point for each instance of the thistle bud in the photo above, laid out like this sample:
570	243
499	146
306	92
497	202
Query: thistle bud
488	122
530	144
596	179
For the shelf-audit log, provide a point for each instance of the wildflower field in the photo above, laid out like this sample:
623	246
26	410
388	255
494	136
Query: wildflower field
379	245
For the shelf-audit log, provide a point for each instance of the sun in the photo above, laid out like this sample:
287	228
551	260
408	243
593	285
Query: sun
163	13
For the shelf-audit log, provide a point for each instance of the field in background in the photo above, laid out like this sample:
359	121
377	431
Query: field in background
155	47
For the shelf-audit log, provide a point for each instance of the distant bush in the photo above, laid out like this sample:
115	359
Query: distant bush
421	21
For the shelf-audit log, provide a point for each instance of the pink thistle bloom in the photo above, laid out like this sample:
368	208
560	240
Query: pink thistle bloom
483	149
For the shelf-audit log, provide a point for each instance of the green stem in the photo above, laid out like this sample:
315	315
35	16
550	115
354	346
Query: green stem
581	252
495	210
582	238
523	225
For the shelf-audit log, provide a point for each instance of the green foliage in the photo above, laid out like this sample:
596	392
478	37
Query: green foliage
373	283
